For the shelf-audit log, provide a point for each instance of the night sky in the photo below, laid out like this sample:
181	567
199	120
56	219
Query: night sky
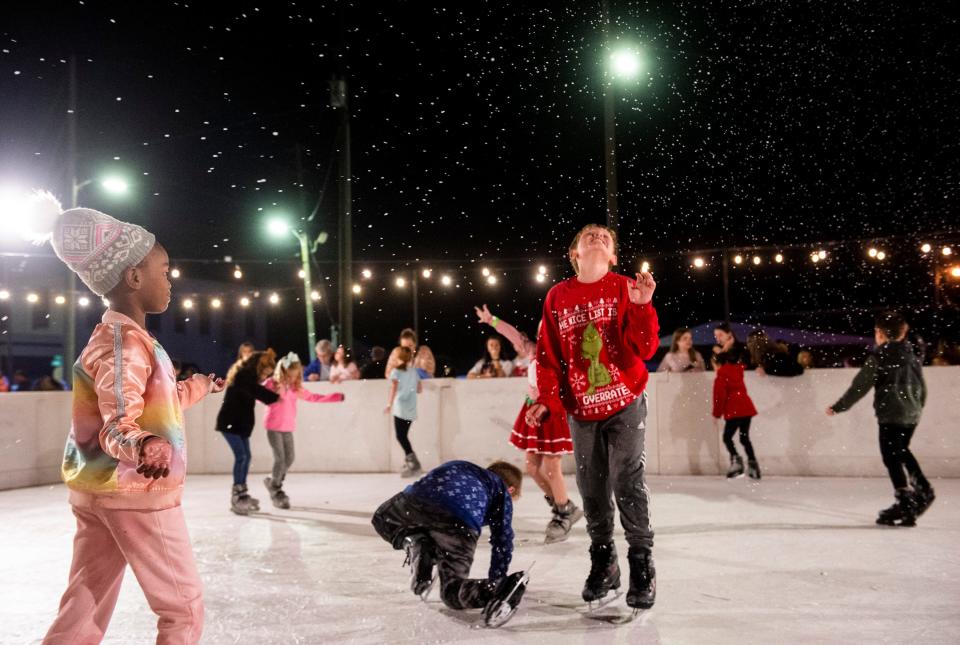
478	141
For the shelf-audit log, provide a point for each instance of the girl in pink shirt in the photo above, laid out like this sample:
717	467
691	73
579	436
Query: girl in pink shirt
281	420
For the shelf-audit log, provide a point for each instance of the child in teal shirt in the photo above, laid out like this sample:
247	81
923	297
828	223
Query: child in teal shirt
405	385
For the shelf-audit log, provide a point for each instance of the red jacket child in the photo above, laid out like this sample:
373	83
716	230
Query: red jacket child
730	398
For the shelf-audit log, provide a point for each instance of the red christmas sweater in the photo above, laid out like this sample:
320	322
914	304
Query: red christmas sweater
730	398
592	346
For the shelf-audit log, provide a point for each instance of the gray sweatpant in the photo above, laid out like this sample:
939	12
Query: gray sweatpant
282	445
610	464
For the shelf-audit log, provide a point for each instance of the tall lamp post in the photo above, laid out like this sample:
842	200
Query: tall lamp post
279	227
622	64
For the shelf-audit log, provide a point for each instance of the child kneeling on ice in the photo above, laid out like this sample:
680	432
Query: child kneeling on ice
438	520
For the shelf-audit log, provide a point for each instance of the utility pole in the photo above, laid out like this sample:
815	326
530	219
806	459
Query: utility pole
726	287
70	342
609	129
339	100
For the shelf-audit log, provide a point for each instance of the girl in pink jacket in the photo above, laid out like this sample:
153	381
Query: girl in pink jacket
281	420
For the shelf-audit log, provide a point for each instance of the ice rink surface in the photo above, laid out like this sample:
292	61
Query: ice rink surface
785	560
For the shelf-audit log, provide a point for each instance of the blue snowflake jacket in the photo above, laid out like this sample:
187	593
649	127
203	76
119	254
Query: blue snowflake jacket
476	496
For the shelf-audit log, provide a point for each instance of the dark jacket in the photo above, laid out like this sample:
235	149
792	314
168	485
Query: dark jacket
894	370
236	414
374	369
780	364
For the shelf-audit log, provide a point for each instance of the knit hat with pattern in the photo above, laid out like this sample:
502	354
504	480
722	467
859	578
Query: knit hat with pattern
97	247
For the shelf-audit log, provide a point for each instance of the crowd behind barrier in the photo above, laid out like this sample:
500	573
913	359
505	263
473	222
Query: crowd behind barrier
472	420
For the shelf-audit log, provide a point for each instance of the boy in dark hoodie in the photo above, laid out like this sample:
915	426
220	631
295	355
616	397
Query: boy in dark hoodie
895	372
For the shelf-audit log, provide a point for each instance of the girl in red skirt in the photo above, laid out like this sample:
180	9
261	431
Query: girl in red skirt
543	445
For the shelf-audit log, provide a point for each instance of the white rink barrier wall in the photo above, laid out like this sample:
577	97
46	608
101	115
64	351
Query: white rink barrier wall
460	419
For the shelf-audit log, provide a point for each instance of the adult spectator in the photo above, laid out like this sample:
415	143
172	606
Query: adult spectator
374	368
682	357
47	383
491	365
769	357
245	350
343	367
408	339
4	383
319	368
21	382
805	359
425	362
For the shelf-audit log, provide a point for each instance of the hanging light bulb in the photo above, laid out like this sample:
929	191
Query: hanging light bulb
367	274
60	300
485	271
757	260
274	299
83	301
174	273
187	303
540	278
446	280
401	282
315	295
925	248
872	252
426	273
738	259
778	258
491	280
698	262
244	301
881	255
216	303
237	273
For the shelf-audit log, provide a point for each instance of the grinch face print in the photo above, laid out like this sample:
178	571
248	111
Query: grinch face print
590	348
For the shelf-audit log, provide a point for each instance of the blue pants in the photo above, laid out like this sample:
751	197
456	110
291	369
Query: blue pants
241	456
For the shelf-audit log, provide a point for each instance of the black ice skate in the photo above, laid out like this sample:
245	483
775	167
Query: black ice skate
506	599
923	496
753	469
604	574
411	466
736	467
902	513
643	579
277	496
420	558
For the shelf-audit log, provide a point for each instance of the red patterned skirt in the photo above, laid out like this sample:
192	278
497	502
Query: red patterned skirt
551	438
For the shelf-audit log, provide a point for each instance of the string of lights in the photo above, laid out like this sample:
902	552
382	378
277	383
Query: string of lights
493	272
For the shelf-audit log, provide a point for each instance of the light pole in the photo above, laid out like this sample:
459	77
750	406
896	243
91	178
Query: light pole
401	282
279	227
622	64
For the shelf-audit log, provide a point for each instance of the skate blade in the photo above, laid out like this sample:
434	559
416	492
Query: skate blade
426	592
618	618
501	611
594	606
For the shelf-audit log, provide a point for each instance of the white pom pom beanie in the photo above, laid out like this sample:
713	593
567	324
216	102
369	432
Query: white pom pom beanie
97	247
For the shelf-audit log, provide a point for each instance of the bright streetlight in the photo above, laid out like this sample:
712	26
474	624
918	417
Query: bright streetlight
625	63
115	185
279	227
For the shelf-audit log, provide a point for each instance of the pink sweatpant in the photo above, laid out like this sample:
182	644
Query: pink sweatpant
157	547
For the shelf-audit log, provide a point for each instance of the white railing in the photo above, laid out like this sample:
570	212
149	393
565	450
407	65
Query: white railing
471	420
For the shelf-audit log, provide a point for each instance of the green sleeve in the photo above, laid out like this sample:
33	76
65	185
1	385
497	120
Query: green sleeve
862	382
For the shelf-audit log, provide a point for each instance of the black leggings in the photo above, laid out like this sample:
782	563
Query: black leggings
732	425
402	428
895	450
